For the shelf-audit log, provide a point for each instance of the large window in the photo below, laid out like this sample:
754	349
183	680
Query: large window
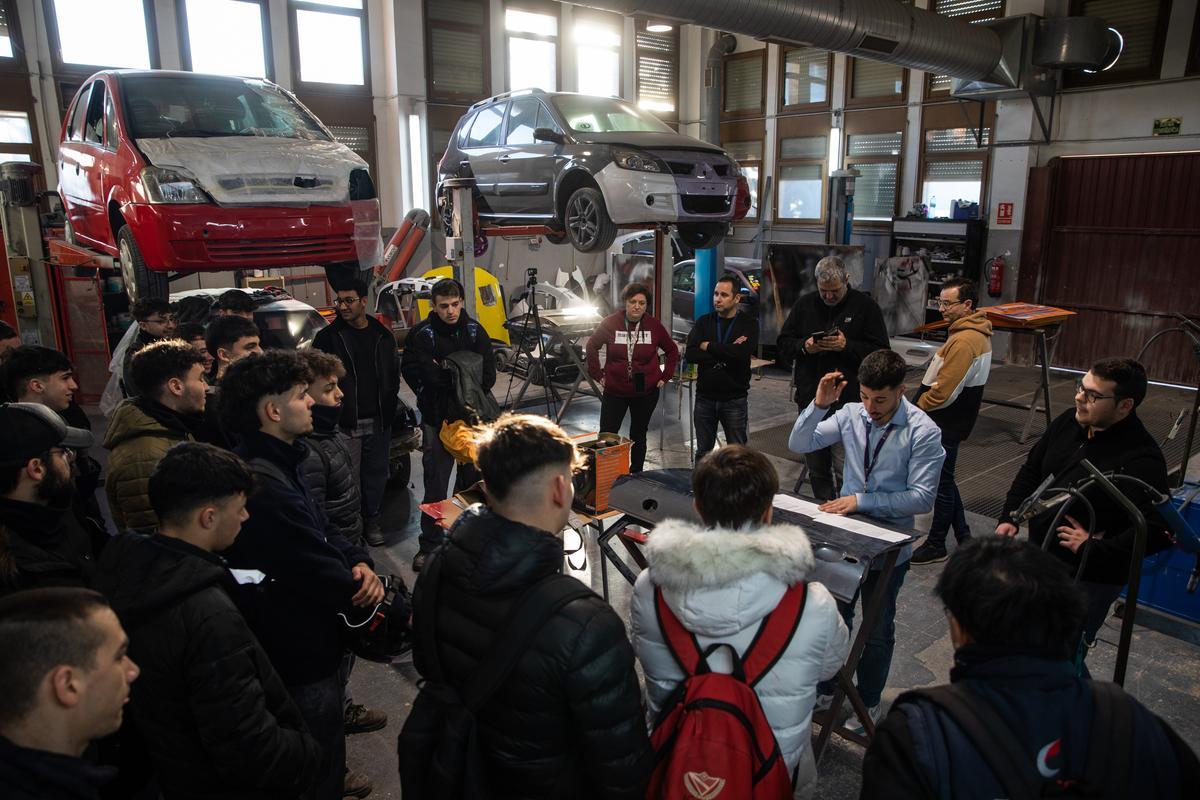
971	11
456	39
875	83
329	42
532	49
745	85
954	162
744	143
16	136
805	81
1143	26
113	33
801	168
227	37
874	146
657	58
6	32
598	53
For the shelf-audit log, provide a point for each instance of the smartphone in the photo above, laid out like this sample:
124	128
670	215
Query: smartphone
829	334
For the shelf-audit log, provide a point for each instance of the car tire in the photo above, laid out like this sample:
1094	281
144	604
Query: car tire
140	280
503	359
342	274
557	237
701	235
587	223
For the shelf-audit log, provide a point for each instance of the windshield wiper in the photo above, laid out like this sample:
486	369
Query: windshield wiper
196	132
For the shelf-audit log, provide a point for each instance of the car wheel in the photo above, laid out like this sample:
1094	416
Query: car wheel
503	359
701	235
557	237
342	274
589	227
140	280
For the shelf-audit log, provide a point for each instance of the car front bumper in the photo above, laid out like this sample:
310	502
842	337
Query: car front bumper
633	197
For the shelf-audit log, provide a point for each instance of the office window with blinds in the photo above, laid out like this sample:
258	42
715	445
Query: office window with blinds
873	82
657	73
456	39
1143	26
744	84
805	82
877	157
954	168
801	172
971	11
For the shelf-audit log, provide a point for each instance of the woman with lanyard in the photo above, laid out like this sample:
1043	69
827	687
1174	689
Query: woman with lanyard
631	375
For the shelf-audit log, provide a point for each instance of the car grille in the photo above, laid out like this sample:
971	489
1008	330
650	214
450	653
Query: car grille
687	168
705	203
302	249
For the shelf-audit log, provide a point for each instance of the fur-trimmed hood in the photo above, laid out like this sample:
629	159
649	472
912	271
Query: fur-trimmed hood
719	580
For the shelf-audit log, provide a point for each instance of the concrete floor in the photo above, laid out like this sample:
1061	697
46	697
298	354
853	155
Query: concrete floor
1164	672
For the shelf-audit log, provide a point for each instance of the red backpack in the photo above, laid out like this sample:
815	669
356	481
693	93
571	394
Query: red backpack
712	739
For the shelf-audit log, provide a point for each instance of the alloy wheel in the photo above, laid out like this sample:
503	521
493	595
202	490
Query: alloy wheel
583	219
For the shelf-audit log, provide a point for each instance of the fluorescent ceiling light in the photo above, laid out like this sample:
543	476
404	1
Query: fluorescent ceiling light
658	27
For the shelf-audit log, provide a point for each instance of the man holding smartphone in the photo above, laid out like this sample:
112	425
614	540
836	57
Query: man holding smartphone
830	330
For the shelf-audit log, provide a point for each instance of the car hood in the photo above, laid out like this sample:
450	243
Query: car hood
651	140
260	170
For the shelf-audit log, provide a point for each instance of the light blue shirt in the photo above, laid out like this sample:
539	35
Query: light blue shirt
904	476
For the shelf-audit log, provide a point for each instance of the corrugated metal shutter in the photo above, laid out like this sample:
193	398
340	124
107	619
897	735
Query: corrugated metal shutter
656	79
805	76
463	12
456	62
875	144
743	84
744	151
875	191
954	140
356	137
804	147
971	11
876	79
1137	21
954	171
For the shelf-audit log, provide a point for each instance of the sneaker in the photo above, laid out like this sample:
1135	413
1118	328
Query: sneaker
355	784
824	703
854	724
929	554
419	561
360	719
373	533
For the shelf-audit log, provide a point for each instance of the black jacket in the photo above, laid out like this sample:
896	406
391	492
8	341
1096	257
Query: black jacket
294	610
857	316
724	368
1127	448
919	752
328	472
214	715
571	710
334	340
27	774
42	546
433	339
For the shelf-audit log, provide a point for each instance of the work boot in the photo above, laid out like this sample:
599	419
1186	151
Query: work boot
355	784
360	719
373	533
419	561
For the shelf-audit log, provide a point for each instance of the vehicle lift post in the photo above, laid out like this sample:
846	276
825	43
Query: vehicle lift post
460	245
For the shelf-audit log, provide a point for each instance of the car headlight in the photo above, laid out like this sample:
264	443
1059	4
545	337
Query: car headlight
172	185
642	162
361	185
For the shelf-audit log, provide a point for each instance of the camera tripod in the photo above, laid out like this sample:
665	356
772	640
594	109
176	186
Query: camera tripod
532	346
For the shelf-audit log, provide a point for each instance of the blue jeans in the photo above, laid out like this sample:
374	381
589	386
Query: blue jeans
876	661
321	707
370	442
948	511
733	416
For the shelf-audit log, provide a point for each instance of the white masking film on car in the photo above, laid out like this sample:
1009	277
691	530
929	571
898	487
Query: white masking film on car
368	243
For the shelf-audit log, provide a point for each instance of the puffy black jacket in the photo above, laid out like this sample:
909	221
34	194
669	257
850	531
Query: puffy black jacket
42	546
27	774
857	316
433	339
386	366
328	472
214	715
568	722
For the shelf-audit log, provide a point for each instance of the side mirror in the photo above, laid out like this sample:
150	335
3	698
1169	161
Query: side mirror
548	135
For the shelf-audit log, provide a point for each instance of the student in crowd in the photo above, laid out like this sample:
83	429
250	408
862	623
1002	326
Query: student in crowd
34	374
567	722
371	387
1014	616
9	339
631	376
169	410
721	345
155	321
229	338
951	393
66	678
857	328
44	543
1104	428
193	334
311	575
448	329
720	580
893	460
234	303
214	715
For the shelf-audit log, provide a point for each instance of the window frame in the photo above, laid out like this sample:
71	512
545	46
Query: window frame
794	127
803	107
64	69
1077	79
749	131
671	119
931	94
16	63
457	98
878	101
761	111
942	116
300	86
880	120
185	42
545	9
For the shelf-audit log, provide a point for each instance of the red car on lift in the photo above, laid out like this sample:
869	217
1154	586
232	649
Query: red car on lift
181	172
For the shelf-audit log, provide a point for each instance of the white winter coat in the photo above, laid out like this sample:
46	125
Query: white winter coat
721	583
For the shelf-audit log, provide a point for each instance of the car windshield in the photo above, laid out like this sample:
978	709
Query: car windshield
158	107
288	329
603	115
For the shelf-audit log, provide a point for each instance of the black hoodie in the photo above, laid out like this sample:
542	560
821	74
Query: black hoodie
42	546
428	343
213	713
27	774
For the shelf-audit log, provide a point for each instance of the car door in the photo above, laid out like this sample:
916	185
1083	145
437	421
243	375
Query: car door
484	148
70	170
683	296
92	162
527	167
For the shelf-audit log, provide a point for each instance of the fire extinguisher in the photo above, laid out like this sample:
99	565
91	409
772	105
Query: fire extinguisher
995	274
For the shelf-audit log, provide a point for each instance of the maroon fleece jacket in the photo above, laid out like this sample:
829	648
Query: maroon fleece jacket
613	336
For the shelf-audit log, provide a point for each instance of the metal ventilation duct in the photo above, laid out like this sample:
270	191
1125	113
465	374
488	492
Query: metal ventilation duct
883	30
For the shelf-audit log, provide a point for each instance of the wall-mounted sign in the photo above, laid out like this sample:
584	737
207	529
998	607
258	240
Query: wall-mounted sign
1167	126
1004	213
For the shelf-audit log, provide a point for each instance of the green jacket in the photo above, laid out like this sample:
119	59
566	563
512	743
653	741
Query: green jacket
137	441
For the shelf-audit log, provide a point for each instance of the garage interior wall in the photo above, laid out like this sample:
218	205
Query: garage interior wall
1087	120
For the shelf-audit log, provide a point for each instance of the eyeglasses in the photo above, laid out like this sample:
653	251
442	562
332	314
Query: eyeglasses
947	303
65	452
345	301
1093	397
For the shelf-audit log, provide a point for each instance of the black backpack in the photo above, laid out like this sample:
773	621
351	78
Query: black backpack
469	401
440	753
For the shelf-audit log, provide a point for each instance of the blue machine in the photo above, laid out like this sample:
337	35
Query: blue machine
1169	578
